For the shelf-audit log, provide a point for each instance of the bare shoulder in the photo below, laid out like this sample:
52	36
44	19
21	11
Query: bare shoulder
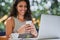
9	21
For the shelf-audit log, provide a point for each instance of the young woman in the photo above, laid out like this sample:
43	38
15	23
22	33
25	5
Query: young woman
16	22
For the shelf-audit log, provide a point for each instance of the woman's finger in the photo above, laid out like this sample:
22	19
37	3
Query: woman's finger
28	28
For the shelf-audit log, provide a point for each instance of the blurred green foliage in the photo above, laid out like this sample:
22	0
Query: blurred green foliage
51	7
2	27
4	7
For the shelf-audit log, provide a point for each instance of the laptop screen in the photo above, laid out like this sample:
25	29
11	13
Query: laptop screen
49	26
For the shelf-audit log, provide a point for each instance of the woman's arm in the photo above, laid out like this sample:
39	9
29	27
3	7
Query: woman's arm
9	23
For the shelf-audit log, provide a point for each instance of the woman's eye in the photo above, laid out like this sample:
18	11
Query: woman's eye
23	6
20	6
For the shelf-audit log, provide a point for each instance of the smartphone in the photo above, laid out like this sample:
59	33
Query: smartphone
29	22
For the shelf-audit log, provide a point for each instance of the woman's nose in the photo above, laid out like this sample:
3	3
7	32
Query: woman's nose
23	8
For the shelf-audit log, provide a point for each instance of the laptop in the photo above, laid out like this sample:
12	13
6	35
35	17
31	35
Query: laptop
49	27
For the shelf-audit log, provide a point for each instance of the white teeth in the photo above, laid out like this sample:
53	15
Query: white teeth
22	11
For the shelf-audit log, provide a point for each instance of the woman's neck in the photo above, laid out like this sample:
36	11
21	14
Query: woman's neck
21	18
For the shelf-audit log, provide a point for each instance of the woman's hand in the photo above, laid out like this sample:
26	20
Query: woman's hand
27	28
31	29
24	29
21	30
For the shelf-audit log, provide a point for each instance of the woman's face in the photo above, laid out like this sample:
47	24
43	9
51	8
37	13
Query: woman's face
21	8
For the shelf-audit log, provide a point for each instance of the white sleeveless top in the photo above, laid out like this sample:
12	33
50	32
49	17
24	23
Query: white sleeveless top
18	24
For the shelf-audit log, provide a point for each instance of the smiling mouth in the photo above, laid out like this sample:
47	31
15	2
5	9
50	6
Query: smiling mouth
22	11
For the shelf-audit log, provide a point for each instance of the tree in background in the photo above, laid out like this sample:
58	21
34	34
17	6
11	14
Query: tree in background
5	7
45	7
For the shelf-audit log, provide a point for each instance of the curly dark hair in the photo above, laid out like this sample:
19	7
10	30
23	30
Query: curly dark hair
27	15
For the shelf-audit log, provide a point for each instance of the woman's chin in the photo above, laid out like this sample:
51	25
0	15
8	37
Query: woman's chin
22	14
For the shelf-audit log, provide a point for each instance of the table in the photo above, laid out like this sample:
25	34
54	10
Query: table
3	38
32	39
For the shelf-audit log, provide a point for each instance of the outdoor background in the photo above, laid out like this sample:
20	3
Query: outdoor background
38	7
